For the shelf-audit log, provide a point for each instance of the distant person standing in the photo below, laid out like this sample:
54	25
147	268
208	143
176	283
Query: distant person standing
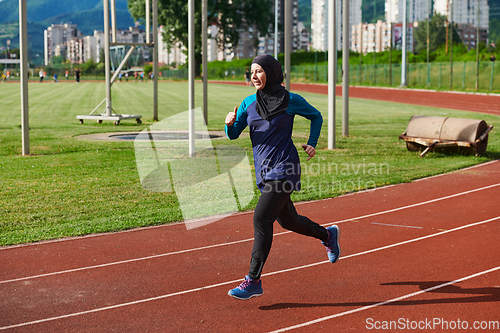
247	77
77	75
67	74
55	78
493	58
40	73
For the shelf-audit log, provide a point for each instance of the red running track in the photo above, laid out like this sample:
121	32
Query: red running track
478	102
421	253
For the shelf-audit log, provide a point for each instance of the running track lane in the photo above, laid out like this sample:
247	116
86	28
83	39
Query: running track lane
396	241
484	103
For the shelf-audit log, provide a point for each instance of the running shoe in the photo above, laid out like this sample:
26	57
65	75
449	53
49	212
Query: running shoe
247	289
332	245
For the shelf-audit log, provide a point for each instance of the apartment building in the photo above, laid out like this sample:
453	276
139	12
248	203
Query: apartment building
371	37
58	34
465	11
319	22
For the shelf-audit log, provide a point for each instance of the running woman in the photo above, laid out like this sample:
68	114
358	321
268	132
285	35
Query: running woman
269	113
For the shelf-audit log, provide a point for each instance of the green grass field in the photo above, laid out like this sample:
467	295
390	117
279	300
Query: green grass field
70	186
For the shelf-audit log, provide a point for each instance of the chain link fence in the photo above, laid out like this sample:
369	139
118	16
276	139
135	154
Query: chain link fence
439	76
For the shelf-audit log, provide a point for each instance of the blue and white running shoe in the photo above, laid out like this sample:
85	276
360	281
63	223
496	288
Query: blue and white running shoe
247	289
332	245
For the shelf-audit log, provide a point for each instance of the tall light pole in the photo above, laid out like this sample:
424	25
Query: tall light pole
276	15
191	75
477	46
204	50
428	43
288	41
403	65
23	45
345	67
451	44
374	35
155	59
332	68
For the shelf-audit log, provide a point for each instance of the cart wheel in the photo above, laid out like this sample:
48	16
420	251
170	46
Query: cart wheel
99	121
139	121
116	123
81	121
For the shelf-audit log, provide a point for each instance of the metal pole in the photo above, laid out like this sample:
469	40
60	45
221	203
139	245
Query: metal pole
428	43
389	21
428	31
191	47
155	60
204	26
374	37
332	67
451	44
23	35
276	14
345	65
107	62
477	46
148	22
113	21
403	65
288	41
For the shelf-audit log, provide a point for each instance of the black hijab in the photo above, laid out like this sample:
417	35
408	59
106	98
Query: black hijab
273	99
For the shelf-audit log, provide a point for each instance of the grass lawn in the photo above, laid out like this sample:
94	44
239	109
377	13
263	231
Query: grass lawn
70	186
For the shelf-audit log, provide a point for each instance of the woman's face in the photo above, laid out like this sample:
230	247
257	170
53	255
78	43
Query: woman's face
258	76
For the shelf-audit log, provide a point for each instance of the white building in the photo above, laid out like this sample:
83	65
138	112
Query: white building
175	55
90	49
58	34
319	22
417	10
465	11
74	51
371	37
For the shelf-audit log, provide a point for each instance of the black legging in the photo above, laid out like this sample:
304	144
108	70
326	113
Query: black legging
275	204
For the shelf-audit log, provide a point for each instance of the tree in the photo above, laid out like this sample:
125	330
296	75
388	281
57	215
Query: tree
231	17
437	34
57	59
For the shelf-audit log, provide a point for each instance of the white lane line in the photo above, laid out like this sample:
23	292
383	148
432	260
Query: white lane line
239	280
65	239
244	240
397	299
397	225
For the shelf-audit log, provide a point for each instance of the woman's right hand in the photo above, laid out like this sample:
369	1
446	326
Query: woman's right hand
231	117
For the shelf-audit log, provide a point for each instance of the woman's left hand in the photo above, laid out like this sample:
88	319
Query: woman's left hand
309	150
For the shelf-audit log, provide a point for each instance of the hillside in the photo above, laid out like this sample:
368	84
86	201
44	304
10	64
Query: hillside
90	20
87	14
40	10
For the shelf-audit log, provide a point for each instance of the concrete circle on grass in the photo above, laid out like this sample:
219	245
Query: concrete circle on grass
159	136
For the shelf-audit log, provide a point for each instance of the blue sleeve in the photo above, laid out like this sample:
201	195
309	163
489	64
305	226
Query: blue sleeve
233	132
298	105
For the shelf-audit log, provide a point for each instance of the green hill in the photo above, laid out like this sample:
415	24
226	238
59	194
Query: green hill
90	20
40	10
86	14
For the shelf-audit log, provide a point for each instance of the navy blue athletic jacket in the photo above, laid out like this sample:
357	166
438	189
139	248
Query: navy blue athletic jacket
275	156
